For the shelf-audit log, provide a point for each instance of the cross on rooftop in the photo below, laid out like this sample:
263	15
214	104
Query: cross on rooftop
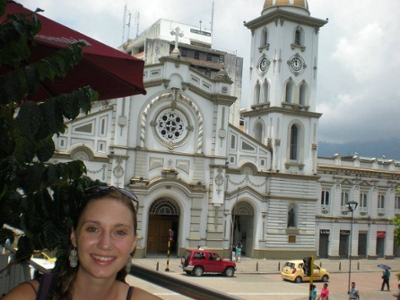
178	33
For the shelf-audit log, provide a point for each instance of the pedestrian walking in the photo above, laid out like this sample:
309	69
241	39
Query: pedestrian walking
353	293
313	292
324	293
386	277
239	251
233	253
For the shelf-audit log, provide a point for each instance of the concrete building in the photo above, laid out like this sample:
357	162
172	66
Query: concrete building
181	151
195	47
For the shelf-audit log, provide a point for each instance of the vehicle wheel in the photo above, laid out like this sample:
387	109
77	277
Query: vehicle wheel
229	272
325	278
198	271
298	279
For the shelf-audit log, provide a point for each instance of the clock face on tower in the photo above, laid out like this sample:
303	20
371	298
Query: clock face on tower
263	64
296	64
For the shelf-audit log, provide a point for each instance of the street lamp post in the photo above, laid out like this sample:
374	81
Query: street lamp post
233	218
351	207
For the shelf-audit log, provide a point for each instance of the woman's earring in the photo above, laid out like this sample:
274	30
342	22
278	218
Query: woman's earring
73	258
128	264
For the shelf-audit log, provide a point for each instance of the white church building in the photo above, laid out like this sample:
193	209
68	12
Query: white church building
213	182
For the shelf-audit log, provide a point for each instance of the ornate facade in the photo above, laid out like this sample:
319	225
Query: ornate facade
180	150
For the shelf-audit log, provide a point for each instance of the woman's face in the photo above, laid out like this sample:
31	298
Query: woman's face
104	238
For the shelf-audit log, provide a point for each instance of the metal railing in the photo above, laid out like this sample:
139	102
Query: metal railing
179	286
182	287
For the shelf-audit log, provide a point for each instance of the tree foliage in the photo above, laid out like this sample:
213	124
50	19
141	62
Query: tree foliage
36	196
396	223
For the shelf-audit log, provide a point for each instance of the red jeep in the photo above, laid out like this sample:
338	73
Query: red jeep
197	262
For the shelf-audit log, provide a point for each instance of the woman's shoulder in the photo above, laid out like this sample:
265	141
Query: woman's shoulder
138	293
24	291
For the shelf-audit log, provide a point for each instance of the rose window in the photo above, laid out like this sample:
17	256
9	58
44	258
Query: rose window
171	126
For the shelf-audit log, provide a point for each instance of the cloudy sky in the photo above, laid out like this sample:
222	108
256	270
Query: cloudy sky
359	50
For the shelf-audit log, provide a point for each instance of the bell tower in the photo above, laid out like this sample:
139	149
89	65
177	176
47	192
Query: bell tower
283	75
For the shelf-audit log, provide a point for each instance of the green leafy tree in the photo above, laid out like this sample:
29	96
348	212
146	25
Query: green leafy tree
396	223
35	196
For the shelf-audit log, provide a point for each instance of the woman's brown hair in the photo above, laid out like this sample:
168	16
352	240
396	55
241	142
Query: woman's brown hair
66	276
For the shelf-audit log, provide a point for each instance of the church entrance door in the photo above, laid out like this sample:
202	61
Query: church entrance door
242	227
163	216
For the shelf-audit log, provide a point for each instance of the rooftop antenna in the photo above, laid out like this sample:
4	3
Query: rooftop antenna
129	23
200	25
123	23
212	22
137	22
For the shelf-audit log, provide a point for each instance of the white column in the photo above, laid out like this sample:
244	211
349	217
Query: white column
334	239
389	240
354	239
371	250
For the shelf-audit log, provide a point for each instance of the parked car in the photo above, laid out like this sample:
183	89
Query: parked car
197	262
293	271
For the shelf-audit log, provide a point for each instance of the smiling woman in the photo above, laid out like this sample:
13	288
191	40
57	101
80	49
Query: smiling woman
102	243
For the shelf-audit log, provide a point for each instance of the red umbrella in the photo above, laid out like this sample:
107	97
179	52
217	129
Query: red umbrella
109	72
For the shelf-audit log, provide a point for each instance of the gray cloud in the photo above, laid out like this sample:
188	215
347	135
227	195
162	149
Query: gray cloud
359	56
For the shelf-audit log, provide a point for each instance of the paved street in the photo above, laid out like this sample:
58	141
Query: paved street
260	279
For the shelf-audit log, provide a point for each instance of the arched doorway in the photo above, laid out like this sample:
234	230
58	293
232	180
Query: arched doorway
243	226
163	215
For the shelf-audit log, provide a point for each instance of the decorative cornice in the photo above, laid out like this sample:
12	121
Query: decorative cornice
276	109
153	83
357	171
187	188
216	98
292	164
92	114
279	16
253	140
245	189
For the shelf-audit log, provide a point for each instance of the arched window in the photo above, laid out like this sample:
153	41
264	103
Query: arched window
397	203
257	94
264	37
289	91
363	201
265	90
294	142
325	197
303	94
258	132
297	38
344	199
381	201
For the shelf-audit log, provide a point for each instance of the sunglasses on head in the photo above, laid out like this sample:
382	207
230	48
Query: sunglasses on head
101	188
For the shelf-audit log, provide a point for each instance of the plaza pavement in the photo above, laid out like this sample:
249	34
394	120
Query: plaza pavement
364	271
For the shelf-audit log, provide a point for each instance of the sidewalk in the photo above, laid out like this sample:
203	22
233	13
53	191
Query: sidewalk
365	272
264	266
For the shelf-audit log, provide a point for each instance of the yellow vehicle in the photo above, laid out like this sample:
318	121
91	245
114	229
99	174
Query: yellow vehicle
293	271
47	257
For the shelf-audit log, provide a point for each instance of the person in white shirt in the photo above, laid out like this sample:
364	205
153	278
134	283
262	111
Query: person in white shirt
353	293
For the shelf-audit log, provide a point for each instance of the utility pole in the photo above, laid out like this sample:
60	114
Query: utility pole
170	239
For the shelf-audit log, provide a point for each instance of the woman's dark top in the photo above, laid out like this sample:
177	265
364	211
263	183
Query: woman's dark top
46	286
